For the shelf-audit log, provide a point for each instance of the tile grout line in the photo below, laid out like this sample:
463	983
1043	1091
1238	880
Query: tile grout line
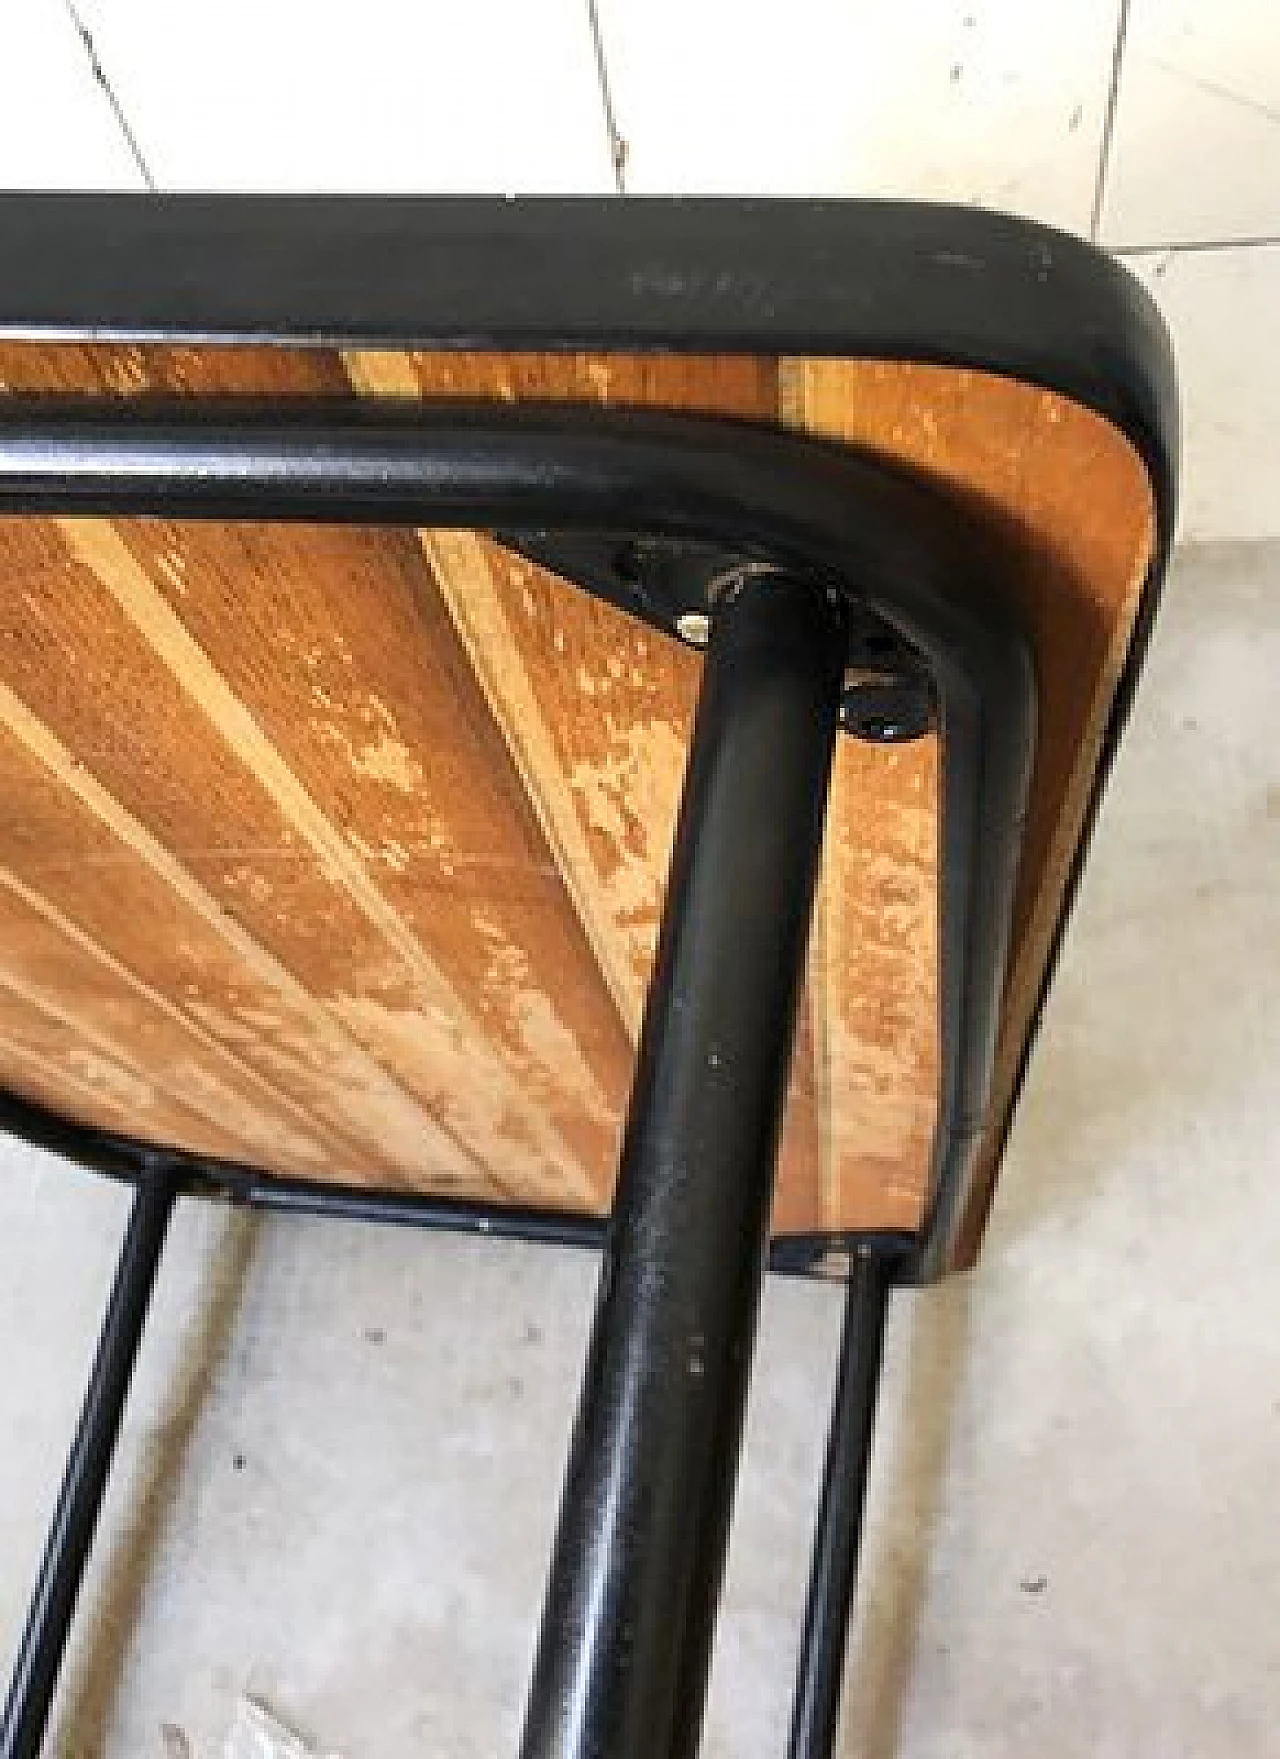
1195	246
1109	120
617	145
117	109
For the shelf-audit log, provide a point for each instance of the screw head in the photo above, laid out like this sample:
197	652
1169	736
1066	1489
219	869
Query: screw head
694	627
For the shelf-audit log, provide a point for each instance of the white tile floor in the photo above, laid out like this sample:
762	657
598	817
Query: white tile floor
57	126
1223	307
1196	150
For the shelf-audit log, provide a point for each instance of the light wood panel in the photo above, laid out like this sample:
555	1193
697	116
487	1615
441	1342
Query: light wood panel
596	709
342	851
1071	503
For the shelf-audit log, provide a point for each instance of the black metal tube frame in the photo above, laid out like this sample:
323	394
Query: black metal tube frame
35	1672
121	1157
635	1575
837	523
805	507
816	1707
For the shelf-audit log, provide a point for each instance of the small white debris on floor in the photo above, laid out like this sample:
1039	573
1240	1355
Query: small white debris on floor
255	1734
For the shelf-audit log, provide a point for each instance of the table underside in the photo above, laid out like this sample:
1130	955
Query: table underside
341	851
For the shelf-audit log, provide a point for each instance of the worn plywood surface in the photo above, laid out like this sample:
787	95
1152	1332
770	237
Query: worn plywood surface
342	851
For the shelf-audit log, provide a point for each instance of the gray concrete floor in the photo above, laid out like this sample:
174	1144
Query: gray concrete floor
338	1479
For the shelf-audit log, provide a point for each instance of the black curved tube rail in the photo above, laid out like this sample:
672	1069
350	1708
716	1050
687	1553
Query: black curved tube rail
798	503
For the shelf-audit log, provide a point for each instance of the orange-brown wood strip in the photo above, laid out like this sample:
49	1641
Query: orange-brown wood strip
596	709
67	978
68	842
247	1100
378	771
105	876
1070	503
198	770
875	971
615	700
366	728
45	1057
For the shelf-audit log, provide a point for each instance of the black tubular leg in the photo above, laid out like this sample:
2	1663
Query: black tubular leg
816	1708
629	1616
35	1673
